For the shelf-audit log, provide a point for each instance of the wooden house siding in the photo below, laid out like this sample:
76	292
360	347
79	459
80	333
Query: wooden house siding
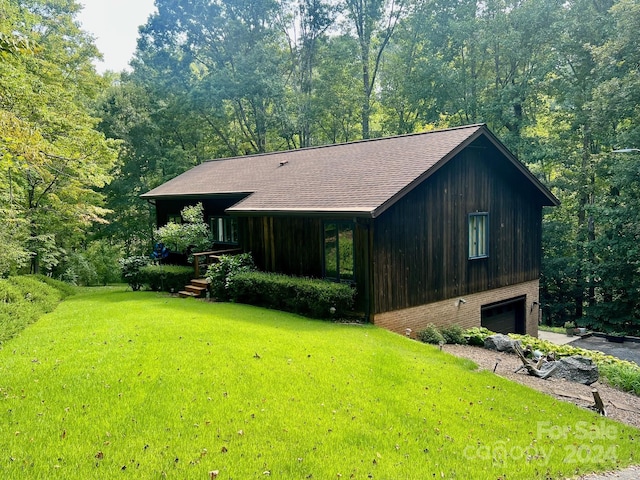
293	245
289	245
421	243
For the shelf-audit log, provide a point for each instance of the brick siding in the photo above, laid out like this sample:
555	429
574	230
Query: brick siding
467	315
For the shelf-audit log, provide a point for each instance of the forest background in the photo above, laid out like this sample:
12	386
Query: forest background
558	82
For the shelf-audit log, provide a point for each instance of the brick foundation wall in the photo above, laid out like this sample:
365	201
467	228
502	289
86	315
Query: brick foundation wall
467	315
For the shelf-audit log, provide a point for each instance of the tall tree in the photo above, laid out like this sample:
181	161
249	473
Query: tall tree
374	22
51	151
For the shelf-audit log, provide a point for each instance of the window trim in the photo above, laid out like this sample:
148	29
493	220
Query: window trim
477	238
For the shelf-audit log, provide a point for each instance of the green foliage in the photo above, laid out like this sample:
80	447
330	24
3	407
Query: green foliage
454	334
130	269
97	264
622	375
619	373
305	296
477	335
431	334
23	300
166	278
189	237
52	158
220	273
65	289
14	254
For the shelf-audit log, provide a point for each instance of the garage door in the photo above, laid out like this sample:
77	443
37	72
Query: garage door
505	317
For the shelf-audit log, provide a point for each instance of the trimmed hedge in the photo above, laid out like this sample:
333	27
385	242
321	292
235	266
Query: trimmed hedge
305	296
165	277
24	299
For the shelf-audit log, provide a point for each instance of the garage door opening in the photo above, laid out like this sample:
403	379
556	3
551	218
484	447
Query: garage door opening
507	316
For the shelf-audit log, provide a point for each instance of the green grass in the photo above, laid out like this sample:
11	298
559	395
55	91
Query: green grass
117	384
546	328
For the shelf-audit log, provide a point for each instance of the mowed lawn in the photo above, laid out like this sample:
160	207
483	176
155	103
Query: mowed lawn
118	384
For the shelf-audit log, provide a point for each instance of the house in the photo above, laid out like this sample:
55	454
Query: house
439	227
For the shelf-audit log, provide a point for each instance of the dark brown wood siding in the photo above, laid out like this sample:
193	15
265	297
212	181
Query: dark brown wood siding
294	246
289	245
421	243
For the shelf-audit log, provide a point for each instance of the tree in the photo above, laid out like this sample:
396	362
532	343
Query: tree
51	151
374	22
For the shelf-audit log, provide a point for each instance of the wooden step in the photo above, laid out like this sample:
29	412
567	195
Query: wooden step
185	294
195	289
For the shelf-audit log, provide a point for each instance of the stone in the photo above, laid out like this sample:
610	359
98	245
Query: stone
499	342
576	369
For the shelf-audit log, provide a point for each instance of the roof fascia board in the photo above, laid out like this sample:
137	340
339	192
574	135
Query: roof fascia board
241	195
333	213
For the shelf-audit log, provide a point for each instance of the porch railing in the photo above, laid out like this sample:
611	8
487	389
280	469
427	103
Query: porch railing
202	260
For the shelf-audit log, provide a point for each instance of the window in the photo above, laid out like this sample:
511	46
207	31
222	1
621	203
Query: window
224	229
478	235
338	251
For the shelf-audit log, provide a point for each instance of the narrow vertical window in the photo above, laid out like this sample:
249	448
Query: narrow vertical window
339	255
478	235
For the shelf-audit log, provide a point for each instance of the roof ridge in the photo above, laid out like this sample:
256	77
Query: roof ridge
353	142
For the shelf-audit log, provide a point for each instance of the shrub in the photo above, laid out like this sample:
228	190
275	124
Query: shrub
77	270
431	334
65	289
191	236
22	301
130	269
454	334
305	296
219	274
477	335
165	278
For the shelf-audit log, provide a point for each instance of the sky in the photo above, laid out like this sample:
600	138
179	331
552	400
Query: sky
114	24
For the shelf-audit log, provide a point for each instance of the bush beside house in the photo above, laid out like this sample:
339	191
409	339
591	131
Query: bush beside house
305	296
165	278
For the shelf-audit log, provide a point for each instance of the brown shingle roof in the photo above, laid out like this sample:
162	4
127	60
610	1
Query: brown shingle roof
359	178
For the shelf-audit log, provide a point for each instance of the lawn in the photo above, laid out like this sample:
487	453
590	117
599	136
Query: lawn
117	384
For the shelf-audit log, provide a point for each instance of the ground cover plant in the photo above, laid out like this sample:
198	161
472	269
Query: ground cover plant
618	373
118	384
24	299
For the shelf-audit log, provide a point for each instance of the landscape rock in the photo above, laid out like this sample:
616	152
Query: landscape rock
499	342
576	369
